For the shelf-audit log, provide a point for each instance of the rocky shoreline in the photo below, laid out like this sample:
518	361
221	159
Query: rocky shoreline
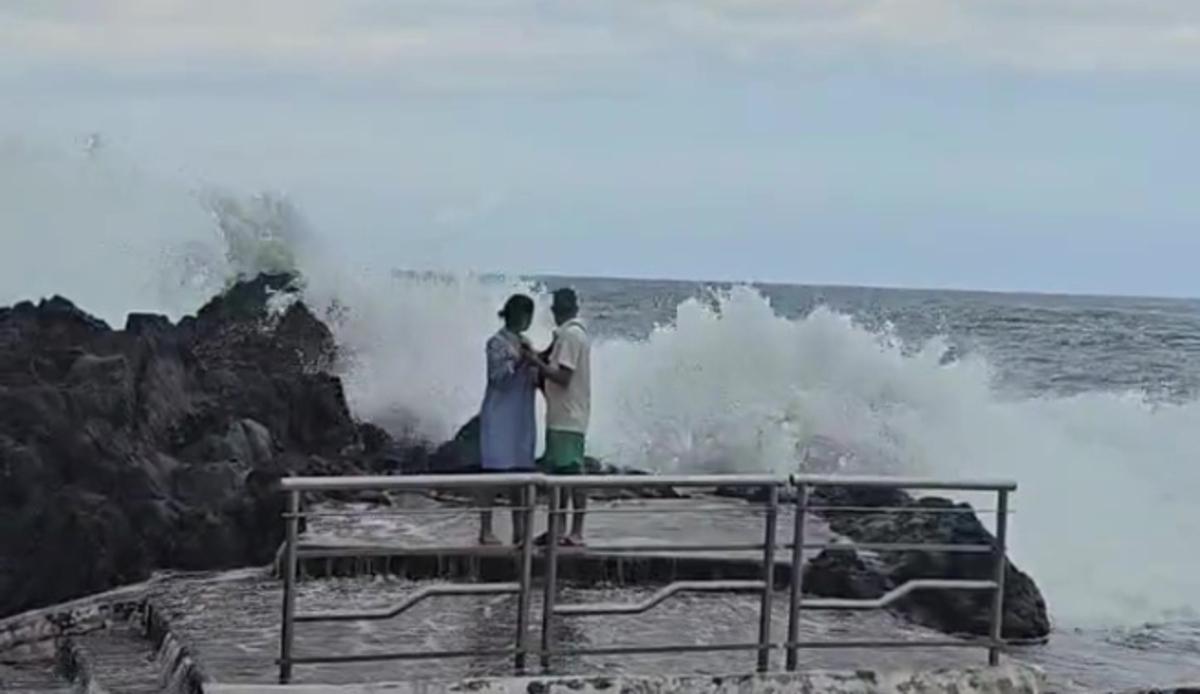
158	446
851	574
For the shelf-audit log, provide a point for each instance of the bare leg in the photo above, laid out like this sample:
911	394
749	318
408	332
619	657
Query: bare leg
487	535
518	501
579	502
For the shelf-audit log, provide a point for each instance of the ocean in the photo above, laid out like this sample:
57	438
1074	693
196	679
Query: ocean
1089	403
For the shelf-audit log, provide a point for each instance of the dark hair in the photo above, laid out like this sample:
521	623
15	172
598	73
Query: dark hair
566	297
517	305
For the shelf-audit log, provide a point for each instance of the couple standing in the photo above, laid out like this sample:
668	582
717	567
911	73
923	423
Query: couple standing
508	424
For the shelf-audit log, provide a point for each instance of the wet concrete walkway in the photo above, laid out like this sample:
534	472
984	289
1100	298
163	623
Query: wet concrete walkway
122	660
423	539
233	623
418	522
230	620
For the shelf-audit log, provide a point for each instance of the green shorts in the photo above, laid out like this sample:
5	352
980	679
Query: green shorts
564	452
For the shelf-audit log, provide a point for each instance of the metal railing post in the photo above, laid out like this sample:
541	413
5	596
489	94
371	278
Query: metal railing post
796	589
553	531
1001	569
529	502
769	539
288	632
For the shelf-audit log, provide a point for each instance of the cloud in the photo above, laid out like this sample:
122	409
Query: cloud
469	212
479	41
1041	35
431	42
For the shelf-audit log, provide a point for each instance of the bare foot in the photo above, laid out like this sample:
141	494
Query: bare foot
489	540
573	541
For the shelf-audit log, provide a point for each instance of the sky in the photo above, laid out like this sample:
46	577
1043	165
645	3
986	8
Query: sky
1031	145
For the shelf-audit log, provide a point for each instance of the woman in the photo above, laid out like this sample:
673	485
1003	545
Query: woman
507	423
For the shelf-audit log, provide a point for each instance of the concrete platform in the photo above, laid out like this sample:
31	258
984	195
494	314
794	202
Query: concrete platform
579	567
418	522
437	541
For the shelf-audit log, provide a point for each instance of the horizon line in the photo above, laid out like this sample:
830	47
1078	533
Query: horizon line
991	291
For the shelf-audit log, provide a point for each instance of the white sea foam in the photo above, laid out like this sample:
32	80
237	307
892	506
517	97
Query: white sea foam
1105	511
1105	516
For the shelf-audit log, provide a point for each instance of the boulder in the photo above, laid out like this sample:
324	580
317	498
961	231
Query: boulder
843	574
75	543
459	454
147	324
957	612
160	445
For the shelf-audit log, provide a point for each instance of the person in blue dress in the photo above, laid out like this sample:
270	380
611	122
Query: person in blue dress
507	420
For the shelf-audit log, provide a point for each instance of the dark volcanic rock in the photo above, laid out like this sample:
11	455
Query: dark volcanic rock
160	445
459	454
842	574
959	612
755	495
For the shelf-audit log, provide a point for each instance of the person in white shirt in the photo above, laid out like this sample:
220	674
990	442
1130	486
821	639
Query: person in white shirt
567	373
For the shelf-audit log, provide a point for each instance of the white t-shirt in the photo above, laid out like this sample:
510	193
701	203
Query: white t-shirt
569	408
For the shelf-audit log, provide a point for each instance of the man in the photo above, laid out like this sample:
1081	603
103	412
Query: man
568	389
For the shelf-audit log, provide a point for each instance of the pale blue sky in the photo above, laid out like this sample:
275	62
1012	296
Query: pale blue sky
1011	144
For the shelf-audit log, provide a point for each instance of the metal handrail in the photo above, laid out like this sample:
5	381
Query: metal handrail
339	483
661	481
411	602
897	547
585	610
977	485
895	594
651	547
771	487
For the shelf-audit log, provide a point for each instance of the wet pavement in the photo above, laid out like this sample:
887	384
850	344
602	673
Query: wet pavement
231	620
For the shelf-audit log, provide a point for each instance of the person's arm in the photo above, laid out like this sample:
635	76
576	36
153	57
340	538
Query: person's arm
545	353
558	373
501	363
560	367
530	358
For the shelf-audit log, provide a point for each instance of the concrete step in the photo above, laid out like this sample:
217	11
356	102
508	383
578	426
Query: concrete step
122	661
